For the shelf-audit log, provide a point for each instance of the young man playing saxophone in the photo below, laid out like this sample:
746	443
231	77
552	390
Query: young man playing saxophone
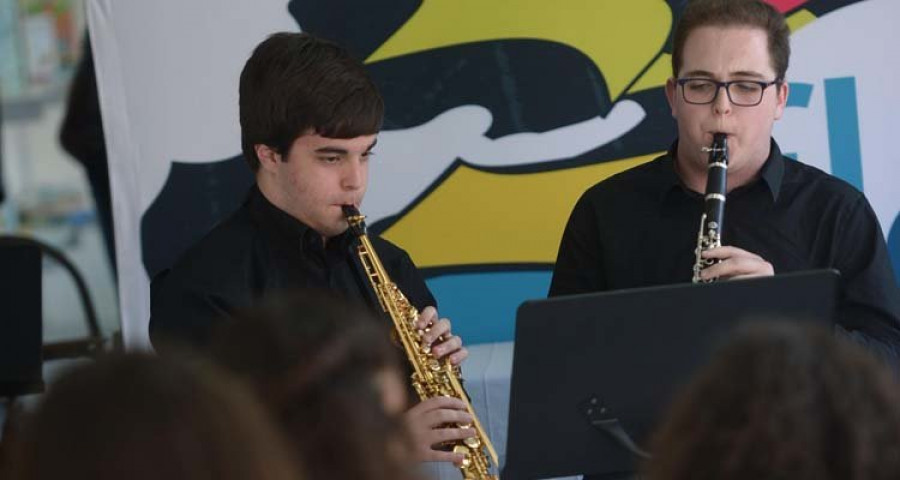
309	118
639	228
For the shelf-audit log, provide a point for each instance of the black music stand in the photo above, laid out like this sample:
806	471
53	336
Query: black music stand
592	373
21	332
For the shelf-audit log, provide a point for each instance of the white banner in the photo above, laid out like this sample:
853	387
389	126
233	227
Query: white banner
497	119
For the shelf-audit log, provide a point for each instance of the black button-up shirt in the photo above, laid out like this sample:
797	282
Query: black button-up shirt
258	250
639	228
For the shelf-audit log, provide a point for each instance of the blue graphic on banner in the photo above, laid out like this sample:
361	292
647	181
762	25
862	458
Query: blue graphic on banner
482	306
843	130
800	95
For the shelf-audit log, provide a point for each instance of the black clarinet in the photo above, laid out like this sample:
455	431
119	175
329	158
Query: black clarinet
710	235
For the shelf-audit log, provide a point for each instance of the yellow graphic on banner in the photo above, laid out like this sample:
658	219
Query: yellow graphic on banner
476	217
620	38
655	76
800	19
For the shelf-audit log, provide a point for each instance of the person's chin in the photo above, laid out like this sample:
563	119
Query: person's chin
336	230
331	228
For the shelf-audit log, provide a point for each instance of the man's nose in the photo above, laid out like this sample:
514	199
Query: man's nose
354	174
722	104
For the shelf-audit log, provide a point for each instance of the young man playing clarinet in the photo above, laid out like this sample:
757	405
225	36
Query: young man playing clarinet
639	228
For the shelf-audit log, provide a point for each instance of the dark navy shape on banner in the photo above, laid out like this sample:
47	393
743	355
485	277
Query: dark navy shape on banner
195	197
508	77
361	26
821	7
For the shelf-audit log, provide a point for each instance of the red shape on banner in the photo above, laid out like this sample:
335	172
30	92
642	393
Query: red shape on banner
785	5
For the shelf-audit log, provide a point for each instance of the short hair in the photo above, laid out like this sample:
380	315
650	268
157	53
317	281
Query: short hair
735	13
783	401
313	357
295	83
142	417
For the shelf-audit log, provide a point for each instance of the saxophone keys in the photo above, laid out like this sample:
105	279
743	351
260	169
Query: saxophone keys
420	334
467	455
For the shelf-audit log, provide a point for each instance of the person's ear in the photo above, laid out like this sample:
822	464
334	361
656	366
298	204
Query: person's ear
268	157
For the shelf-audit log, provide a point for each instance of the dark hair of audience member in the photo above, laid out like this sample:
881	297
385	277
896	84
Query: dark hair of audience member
141	418
332	378
783	401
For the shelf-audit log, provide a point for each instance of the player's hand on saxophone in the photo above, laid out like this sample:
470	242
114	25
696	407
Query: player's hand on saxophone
438	335
426	423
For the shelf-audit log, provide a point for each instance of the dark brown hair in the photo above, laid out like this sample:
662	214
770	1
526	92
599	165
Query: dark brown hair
314	357
141	417
783	401
735	13
296	83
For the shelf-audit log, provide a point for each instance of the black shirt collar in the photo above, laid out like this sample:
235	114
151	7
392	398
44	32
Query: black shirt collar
771	173
285	226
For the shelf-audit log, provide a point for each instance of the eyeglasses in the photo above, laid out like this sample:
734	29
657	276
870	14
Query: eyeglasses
743	93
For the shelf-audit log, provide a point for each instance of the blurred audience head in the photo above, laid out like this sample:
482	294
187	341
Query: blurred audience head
781	400
141	417
332	379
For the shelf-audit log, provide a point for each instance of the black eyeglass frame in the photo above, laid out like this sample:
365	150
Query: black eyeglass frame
727	86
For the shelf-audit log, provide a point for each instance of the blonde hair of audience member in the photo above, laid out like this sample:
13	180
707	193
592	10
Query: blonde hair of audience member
332	379
139	417
783	401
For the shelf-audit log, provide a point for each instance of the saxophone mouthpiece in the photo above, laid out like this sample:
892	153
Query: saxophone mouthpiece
350	211
355	219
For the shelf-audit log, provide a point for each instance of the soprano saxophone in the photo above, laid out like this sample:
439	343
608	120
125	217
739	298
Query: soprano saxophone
431	377
710	235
